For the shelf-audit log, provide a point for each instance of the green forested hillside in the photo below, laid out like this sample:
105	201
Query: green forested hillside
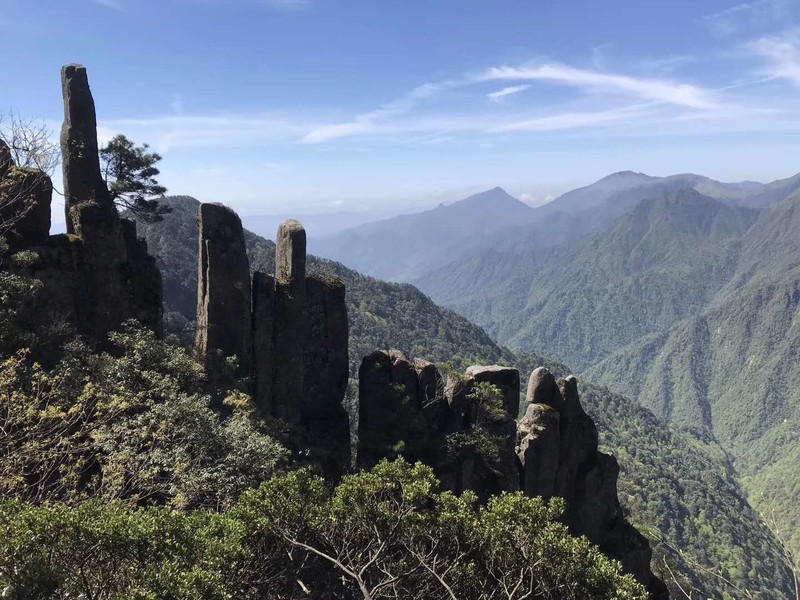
734	369
662	261
677	488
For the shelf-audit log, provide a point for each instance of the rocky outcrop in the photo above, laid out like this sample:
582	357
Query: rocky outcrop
99	274
6	162
326	370
288	331
224	322
405	409
558	455
552	451
391	415
480	414
25	198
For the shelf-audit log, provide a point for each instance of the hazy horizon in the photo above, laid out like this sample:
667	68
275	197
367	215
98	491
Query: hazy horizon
324	106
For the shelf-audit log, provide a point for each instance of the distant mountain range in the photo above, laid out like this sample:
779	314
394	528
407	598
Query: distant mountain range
408	247
400	248
317	225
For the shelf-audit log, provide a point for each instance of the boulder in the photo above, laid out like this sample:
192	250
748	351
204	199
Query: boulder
543	389
25	198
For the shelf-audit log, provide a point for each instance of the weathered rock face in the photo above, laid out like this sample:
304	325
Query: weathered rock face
224	323
301	362
100	274
25	198
557	450
263	345
325	372
391	417
83	182
291	339
6	162
406	410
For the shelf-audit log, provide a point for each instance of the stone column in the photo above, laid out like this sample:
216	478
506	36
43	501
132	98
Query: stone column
289	331
83	181
326	371
224	323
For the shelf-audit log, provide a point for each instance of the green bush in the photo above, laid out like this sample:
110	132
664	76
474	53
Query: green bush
387	533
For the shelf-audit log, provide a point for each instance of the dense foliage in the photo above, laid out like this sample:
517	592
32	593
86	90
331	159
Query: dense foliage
135	425
387	533
681	491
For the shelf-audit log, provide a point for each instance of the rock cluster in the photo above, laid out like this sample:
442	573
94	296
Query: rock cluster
287	331
406	409
99	274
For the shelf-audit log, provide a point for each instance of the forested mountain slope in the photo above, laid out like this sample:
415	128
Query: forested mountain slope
660	262
734	369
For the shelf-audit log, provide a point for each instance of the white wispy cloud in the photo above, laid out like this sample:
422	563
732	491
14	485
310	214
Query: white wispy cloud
748	15
657	90
507	91
781	54
391	117
575	120
373	122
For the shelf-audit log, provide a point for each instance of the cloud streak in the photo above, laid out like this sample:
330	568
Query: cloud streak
392	118
507	91
781	54
657	90
748	15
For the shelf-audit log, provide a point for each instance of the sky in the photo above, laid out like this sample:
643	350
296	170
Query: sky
385	106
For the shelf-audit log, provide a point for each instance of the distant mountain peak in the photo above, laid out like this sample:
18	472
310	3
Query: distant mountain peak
626	174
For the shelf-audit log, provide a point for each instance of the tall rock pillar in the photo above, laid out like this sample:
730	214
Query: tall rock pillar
289	329
119	279
558	449
86	197
224	325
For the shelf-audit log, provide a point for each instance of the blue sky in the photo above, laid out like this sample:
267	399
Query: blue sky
304	106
